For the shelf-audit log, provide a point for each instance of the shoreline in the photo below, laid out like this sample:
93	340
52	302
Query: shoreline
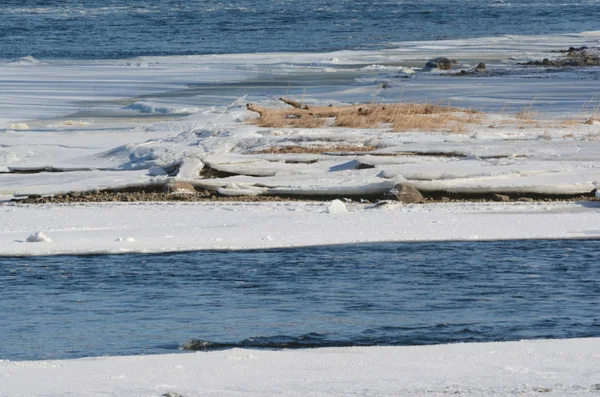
141	196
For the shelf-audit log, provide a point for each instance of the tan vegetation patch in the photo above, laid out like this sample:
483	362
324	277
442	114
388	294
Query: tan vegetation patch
401	116
275	120
315	149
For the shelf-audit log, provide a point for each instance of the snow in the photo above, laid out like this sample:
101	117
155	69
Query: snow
525	368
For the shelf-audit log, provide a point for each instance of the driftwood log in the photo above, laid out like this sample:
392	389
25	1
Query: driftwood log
257	109
293	103
299	109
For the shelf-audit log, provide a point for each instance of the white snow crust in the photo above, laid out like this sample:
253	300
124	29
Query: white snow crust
96	228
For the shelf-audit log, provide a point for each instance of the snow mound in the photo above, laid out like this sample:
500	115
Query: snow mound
147	107
597	186
337	207
38	237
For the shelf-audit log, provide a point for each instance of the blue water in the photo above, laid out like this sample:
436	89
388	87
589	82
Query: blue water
358	295
94	29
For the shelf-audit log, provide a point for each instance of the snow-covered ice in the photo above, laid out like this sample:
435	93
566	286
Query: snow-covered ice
525	368
97	228
189	111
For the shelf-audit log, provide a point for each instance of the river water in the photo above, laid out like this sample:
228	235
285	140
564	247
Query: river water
102	29
351	295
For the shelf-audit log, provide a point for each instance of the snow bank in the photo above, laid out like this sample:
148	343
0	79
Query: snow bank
525	368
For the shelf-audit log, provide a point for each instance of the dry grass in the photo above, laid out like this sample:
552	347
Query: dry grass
570	123
315	149
401	116
526	115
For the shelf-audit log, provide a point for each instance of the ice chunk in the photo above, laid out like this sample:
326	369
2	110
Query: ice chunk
38	237
240	189
157	171
190	168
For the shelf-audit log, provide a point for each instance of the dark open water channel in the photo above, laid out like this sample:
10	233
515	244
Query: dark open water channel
383	294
